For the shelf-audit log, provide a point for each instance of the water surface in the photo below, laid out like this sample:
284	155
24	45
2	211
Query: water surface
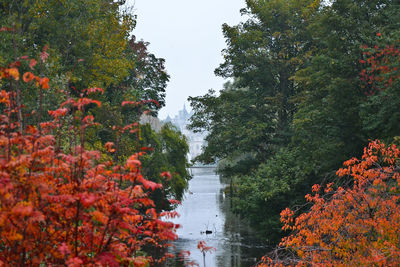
205	207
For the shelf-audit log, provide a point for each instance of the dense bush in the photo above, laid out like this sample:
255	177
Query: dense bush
64	204
356	224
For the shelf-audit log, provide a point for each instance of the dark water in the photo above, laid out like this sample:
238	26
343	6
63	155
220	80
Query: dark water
205	207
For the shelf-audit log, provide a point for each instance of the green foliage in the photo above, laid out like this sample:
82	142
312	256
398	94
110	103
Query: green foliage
234	129
168	154
263	54
380	114
148	78
298	107
83	44
93	32
327	122
265	192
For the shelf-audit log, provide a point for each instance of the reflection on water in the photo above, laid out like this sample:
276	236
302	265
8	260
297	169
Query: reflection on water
205	208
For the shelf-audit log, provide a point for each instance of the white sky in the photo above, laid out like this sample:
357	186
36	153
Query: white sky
188	35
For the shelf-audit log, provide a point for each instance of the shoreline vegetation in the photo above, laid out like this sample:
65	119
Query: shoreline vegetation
82	182
312	84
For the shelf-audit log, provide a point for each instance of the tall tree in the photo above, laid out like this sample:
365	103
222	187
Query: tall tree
262	54
86	38
265	52
327	124
300	65
84	44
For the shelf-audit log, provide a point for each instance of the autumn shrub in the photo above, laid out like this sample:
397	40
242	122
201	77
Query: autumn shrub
61	204
353	225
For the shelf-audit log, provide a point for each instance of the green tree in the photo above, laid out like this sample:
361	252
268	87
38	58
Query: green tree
327	124
253	115
264	53
168	153
83	44
148	79
78	44
250	122
233	131
298	63
380	76
276	184
93	32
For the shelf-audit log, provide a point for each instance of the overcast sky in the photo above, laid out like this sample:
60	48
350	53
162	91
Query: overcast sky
188	35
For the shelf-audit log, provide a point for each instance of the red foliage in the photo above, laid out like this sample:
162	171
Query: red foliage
137	103
350	226
44	55
64	206
7	29
8	73
167	175
202	246
381	67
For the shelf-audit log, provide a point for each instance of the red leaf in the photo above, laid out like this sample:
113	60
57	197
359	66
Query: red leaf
58	113
167	175
149	184
6	29
94	90
109	147
44	82
44	55
124	103
64	249
173	201
28	76
32	63
74	262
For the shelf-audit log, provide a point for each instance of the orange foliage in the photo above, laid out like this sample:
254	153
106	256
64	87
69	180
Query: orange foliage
64	206
357	225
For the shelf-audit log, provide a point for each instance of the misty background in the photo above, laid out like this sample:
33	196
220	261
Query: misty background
188	35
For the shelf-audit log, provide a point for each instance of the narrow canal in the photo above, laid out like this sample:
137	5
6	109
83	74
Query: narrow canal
206	208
